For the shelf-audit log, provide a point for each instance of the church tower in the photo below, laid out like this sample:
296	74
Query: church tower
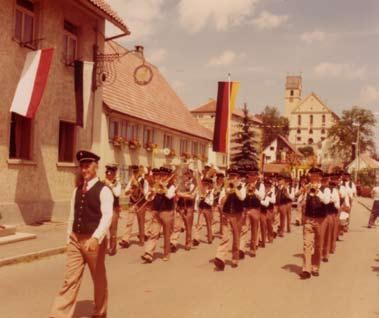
292	94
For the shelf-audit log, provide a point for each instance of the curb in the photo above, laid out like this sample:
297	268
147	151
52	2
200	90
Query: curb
29	257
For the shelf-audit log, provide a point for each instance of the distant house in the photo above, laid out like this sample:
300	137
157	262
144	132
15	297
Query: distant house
206	116
365	161
280	150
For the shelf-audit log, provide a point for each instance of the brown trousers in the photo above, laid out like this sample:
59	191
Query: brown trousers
130	216
266	226
285	217
183	216
328	235
77	258
313	233
252	218
161	219
231	230
336	230
208	216
113	230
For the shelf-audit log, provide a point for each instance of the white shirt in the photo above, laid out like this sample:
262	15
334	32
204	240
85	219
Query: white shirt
335	198
106	207
351	190
116	189
344	195
209	198
171	192
375	193
270	198
260	192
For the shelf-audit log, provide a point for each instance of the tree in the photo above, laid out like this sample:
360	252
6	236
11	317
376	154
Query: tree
343	134
273	125
244	153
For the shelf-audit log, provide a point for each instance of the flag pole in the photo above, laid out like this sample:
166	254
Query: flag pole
229	125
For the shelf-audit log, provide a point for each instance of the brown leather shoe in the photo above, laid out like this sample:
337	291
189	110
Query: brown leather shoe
147	258
124	244
305	275
220	265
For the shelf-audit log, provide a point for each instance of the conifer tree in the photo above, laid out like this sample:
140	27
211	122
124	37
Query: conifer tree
244	153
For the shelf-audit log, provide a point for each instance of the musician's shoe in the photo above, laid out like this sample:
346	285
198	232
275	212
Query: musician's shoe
253	253
112	251
147	258
166	258
195	243
305	275
325	260
173	248
234	264
316	274
220	265
124	244
187	247
241	254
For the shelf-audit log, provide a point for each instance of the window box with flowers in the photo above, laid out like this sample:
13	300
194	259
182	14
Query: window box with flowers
134	144
186	155
149	146
204	158
118	141
171	153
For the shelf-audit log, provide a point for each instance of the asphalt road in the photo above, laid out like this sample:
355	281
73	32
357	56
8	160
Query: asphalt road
187	286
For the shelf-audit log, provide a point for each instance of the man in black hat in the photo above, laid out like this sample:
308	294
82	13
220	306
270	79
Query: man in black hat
314	222
204	199
115	185
163	214
89	221
283	202
232	198
267	210
136	190
255	192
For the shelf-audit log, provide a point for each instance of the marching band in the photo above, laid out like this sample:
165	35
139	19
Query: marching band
169	202
244	207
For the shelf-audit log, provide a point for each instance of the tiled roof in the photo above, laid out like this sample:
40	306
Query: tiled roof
210	107
290	146
112	15
155	102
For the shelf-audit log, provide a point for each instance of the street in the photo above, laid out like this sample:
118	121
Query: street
188	287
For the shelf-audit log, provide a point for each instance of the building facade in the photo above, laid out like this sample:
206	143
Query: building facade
37	163
206	116
148	124
309	117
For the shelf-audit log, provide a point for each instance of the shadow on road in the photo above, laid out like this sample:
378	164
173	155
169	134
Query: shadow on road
292	268
84	308
300	255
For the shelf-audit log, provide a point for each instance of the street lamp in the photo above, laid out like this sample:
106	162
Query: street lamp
357	151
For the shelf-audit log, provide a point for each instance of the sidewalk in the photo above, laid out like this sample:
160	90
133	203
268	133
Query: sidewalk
51	240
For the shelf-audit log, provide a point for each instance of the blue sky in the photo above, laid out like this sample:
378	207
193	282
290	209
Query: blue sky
334	45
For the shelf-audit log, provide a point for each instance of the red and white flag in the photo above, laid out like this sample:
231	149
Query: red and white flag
32	83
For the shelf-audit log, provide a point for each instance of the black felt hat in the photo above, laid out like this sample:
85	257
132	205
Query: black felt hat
86	156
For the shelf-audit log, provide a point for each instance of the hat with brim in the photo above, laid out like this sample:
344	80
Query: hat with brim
86	156
232	172
111	167
315	170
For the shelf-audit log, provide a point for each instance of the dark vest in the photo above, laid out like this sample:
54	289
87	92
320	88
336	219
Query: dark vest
281	197
331	207
204	205
185	203
87	210
162	203
314	207
233	204
251	200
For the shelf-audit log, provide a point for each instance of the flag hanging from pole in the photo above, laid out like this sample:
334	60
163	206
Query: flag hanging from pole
83	85
32	83
226	101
